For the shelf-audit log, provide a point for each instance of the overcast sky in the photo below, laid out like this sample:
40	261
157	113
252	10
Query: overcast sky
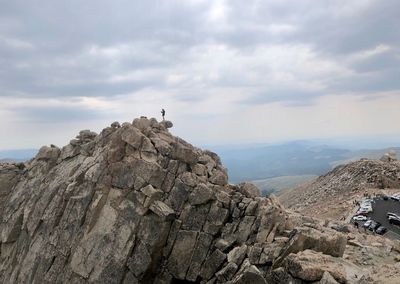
226	72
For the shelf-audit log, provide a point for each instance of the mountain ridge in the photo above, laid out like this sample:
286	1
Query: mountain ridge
344	181
135	204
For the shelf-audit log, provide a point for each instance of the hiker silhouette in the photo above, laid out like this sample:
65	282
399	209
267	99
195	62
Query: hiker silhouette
163	114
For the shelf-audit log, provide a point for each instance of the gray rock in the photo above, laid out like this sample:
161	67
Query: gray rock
255	254
216	218
224	245
194	217
179	260
86	136
227	272
330	243
140	260
212	264
199	169
178	196
185	154
281	276
151	194
219	177
237	255
48	153
201	194
250	275
142	123
244	229
175	227
327	279
162	210
202	247
115	124
132	136
249	190
167	124
251	208
311	266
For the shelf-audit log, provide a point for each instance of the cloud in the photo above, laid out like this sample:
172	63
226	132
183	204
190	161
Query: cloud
196	55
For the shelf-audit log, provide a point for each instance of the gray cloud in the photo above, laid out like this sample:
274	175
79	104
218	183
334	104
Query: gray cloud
385	62
56	114
275	51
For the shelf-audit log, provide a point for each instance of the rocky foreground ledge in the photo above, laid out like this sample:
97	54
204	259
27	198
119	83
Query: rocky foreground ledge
134	204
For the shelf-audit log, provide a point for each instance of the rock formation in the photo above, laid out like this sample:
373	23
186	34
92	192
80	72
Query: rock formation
134	204
389	157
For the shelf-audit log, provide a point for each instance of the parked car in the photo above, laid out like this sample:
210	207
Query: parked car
360	218
366	209
394	221
394	197
390	214
366	206
374	225
393	217
367	224
361	212
381	230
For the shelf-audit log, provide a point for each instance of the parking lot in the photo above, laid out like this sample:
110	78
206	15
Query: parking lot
380	208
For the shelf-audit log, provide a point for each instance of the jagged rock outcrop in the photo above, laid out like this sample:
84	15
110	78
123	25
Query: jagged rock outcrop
389	157
9	175
134	204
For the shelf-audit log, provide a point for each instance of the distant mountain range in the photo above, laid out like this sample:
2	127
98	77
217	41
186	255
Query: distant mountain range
19	155
281	166
272	167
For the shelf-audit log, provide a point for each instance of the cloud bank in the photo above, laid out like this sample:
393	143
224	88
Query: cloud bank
226	71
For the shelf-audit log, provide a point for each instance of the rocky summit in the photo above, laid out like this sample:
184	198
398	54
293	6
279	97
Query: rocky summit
135	204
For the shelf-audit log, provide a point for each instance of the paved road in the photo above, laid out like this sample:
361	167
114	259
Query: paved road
380	208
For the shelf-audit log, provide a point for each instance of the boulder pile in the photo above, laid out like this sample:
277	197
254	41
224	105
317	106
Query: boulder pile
135	204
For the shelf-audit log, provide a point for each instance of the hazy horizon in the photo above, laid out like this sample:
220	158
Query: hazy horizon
225	71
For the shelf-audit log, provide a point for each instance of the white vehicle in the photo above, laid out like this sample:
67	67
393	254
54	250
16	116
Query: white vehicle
363	205
366	208
366	224
393	215
360	218
394	197
393	218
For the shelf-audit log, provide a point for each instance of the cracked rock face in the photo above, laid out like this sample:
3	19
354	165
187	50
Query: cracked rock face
134	204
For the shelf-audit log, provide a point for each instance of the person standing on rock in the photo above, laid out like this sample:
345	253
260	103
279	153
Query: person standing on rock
163	114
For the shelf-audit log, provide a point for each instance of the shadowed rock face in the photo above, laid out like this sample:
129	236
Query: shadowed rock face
134	204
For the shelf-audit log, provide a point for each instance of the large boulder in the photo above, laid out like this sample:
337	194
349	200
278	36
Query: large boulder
311	266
